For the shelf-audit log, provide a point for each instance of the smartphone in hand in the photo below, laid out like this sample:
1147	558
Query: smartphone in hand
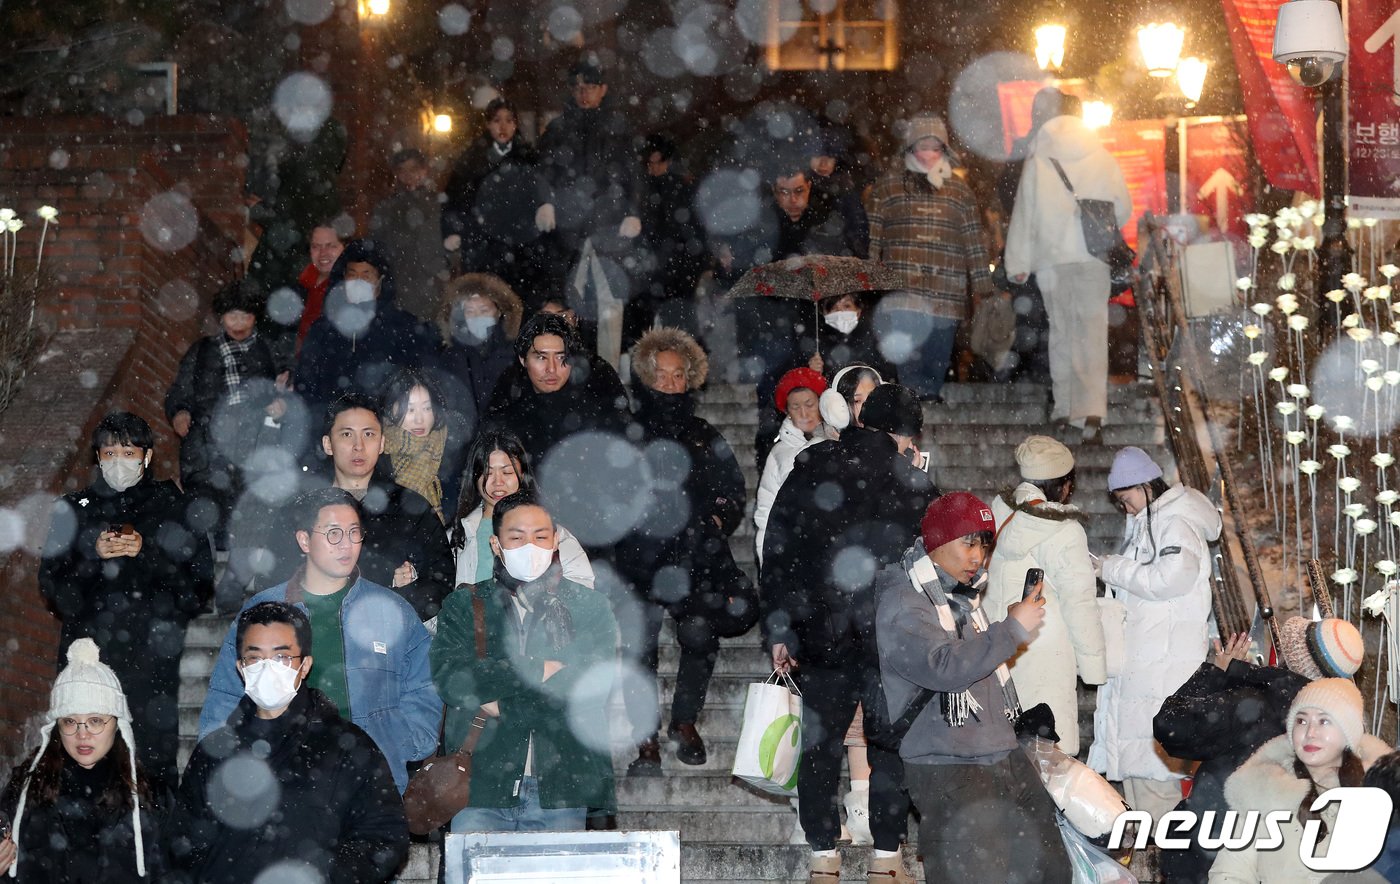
1033	578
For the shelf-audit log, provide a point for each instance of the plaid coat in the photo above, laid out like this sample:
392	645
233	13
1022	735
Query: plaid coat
932	237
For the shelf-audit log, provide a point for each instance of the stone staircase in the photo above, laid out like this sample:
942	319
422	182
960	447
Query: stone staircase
729	832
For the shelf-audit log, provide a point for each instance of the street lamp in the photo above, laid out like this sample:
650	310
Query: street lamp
1310	39
373	9
1191	77
1161	47
1050	47
1097	114
442	123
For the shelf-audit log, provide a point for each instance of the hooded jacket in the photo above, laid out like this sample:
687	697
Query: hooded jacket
916	652
848	508
1219	718
1163	581
1039	534
781	456
467	368
1266	782
306	787
1045	229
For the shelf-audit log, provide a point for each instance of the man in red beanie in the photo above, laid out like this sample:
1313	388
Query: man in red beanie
847	509
983	813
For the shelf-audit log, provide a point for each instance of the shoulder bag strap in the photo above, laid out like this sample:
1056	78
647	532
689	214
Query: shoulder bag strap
1063	177
479	722
479	617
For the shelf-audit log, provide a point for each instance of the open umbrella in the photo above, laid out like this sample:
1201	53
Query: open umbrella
815	277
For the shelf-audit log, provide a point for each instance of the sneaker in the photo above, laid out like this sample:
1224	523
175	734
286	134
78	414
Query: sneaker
857	803
648	760
690	749
1093	431
888	870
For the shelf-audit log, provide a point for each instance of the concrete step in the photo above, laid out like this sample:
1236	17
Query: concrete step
752	662
719	751
701	790
706	863
729	824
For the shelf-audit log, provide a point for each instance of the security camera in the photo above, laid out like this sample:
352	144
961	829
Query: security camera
1309	39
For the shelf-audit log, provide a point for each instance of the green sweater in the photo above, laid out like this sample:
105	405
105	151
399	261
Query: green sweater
567	714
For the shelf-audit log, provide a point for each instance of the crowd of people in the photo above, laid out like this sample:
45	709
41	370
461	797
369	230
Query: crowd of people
445	514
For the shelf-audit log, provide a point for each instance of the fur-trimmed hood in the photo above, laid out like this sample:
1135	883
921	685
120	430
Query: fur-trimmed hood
1033	521
1267	782
488	286
1025	498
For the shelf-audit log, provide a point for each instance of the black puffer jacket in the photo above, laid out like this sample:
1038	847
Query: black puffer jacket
136	608
77	838
326	799
847	509
1219	718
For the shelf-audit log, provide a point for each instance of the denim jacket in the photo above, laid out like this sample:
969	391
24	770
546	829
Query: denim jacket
392	697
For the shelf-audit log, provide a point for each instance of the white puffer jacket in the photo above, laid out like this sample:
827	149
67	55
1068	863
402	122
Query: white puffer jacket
1070	641
571	555
1163	580
1266	782
789	444
1045	229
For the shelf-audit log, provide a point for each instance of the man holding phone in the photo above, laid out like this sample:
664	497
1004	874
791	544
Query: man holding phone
1040	530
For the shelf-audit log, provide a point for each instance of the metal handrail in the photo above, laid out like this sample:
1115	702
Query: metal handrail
1177	378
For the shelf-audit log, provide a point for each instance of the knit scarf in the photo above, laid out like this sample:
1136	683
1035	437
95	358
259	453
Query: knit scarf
936	177
958	706
233	353
416	460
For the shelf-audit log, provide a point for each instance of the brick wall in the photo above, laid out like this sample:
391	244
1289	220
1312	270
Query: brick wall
150	220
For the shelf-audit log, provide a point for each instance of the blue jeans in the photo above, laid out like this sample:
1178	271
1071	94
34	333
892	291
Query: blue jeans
919	345
527	816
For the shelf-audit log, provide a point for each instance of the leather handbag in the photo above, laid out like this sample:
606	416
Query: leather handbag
442	785
1102	236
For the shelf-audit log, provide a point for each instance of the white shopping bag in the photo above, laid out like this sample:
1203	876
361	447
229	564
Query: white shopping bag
1087	800
770	742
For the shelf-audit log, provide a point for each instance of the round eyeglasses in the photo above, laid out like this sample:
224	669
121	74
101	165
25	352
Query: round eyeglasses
335	535
95	725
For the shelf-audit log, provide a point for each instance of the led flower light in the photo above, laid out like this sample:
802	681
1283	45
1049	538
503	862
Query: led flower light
1359	335
1298	322
1391	377
1370	366
1354	510
1288	303
1387	567
1309	467
1257	358
1338	451
1306	243
1368	223
1352	320
1278	373
1353	282
1284	233
1348	484
1287	409
1244	283
1353	224
1344	576
1308	208
1258	240
1389	338
1394	518
1364	527
6	216
1255	219
1388	497
1341	423
49	213
1383	460
1389	271
1374	604
1373	293
1295	437
1280	246
14	226
1261	308
1298	391
1287	281
1252	331
1336	296
1314	412
1374	383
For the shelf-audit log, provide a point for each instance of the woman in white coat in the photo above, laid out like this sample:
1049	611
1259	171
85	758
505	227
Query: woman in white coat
796	396
1039	528
1045	238
1163	580
496	467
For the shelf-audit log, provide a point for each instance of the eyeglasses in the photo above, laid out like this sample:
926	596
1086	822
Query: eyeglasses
284	659
335	535
95	725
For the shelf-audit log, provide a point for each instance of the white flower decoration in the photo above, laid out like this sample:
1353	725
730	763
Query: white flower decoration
1359	335
6	215
1252	331
1344	576
1387	497
1278	373
1336	296
1288	303
1391	377
1375	603
1389	338
1280	246
1370	366
1298	391
1306	243
1283	232
1287	281
1308	208
1341	423
14	225
1353	282
1386	566
1373	293
1354	510
1295	437
1309	467
1298	322
1351	320
1389	271
1383	460
1394	518
1373	383
48	213
1261	308
1348	484
1338	451
1364	527
1257	358
1244	283
1286	409
1314	412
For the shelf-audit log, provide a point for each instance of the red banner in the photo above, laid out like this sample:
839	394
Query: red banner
1139	146
1282	120
1216	170
1373	93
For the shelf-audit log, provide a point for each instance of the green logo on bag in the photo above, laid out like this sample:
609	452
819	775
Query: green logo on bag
783	732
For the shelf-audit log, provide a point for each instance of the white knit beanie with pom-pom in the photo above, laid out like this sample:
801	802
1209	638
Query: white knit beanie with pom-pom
86	686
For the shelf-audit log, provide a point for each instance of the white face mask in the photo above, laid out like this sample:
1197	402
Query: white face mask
844	321
528	562
122	472
269	684
359	291
480	326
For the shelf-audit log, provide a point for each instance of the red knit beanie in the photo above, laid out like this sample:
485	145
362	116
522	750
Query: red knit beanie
795	380
952	516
